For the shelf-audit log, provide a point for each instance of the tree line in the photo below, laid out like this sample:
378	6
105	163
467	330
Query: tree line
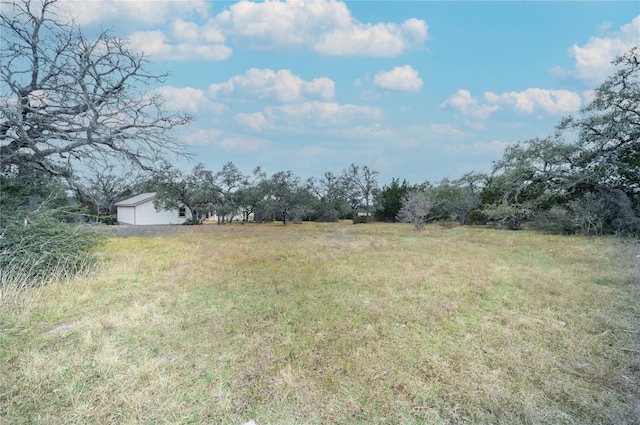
583	179
77	134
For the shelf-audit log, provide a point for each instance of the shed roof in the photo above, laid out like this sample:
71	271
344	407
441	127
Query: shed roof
136	200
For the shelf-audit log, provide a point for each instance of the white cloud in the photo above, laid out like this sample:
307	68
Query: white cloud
281	85
446	130
527	101
377	40
187	99
243	144
216	138
593	59
326	27
255	121
145	12
367	132
551	101
156	45
469	106
495	147
203	137
402	78
322	114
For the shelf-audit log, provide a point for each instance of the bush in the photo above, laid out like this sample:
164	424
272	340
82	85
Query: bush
360	219
108	219
555	221
416	209
511	216
38	245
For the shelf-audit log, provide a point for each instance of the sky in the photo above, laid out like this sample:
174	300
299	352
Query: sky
416	90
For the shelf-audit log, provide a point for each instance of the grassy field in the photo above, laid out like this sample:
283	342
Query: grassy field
331	323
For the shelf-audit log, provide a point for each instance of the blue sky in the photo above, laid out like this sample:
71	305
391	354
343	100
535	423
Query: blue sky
419	90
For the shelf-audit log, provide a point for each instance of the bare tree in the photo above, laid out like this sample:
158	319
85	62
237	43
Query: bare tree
66	97
361	185
331	194
415	209
99	189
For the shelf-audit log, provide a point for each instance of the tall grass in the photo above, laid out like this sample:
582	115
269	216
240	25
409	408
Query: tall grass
20	281
333	323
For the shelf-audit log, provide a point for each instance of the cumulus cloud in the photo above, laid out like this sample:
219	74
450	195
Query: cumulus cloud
243	144
322	114
179	40
187	99
143	12
367	132
593	59
469	106
401	78
203	137
494	147
255	121
551	101
185	46
446	130
326	27
281	85
217	138
323	26
527	101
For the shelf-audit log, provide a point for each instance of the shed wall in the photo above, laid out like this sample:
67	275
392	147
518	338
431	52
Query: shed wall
146	214
126	215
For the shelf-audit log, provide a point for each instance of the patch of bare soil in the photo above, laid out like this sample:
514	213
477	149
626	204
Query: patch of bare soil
125	230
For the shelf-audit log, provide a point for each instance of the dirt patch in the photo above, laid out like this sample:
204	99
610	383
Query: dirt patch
125	230
160	230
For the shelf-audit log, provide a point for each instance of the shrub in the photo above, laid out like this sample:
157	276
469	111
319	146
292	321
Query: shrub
415	209
108	219
38	245
556	220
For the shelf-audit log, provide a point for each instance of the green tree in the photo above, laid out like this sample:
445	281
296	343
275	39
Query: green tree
608	130
283	197
455	200
590	185
530	177
252	195
606	159
195	191
229	180
389	200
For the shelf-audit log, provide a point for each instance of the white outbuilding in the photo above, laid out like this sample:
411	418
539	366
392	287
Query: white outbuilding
140	211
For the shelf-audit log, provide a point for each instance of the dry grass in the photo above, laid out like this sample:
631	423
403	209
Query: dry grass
332	323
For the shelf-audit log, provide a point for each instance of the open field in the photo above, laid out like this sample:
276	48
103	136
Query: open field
331	323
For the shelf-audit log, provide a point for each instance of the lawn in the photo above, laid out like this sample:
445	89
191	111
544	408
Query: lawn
331	323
